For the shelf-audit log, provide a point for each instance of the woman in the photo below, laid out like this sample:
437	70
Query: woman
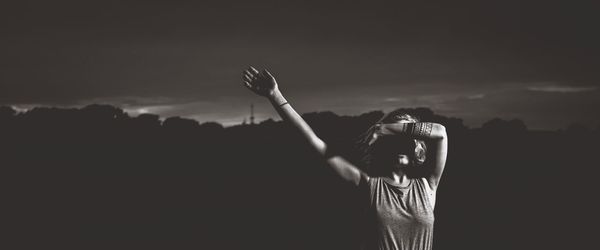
400	200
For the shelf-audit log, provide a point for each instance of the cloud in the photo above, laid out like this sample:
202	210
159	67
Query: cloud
22	108
133	101
392	99
562	89
476	96
159	109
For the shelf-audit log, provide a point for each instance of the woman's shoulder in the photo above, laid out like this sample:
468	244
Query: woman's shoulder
424	182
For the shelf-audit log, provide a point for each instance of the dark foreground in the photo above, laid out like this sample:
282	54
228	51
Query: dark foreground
97	179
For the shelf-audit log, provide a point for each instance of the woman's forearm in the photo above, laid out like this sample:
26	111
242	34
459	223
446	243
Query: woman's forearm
288	114
418	130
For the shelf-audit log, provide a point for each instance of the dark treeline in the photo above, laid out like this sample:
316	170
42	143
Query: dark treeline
97	178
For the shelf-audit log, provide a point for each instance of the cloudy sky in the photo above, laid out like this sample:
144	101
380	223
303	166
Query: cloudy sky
476	60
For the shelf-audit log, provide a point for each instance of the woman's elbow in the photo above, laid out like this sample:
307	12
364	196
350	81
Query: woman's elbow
318	144
439	131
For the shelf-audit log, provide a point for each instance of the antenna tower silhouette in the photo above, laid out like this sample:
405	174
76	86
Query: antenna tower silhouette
252	113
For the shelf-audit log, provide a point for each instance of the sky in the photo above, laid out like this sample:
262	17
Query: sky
475	60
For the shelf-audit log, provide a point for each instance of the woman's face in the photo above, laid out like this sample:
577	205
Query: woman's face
393	153
401	161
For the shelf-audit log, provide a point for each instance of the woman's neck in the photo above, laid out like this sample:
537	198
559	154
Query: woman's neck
399	178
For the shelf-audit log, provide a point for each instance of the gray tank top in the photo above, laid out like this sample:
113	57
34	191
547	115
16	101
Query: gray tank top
397	217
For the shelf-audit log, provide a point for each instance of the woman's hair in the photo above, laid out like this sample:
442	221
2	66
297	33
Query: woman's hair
375	155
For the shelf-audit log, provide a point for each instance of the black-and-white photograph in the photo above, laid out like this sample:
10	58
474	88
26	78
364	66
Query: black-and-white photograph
262	124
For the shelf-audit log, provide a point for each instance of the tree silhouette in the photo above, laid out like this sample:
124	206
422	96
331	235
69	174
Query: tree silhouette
99	174
498	125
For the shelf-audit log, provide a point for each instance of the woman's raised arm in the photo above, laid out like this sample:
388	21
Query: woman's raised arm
264	84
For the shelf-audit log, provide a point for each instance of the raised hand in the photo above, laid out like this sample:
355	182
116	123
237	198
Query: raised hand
261	83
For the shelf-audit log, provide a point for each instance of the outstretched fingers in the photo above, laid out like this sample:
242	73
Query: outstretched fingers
250	74
257	81
265	72
247	78
253	70
259	74
247	84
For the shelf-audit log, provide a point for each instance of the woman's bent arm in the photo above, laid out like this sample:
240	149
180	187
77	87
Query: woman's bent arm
263	83
433	133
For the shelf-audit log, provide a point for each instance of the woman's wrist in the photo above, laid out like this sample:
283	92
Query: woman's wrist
277	98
